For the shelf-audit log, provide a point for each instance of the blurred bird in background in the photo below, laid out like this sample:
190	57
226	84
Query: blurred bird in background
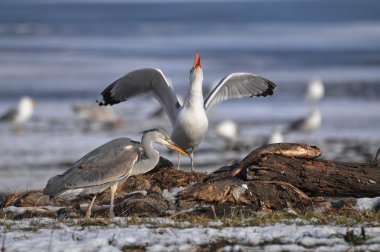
97	118
276	136
228	130
307	124
20	113
315	90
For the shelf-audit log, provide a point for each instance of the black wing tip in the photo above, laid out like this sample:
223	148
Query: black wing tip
271	87
106	97
269	91
106	100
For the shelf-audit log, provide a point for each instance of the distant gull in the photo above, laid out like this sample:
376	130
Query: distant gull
96	116
189	121
309	123
159	112
21	113
108	166
276	136
315	90
228	131
94	113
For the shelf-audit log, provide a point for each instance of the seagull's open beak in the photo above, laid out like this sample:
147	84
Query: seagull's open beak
174	146
197	61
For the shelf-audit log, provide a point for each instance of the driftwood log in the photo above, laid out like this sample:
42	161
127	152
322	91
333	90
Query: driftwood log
320	177
299	165
270	178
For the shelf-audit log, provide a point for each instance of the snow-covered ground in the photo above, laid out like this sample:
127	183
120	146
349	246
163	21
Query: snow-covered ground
35	235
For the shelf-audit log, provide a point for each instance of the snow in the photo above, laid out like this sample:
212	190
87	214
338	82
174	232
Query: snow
21	210
21	236
364	204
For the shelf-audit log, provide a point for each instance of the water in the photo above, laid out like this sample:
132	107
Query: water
66	53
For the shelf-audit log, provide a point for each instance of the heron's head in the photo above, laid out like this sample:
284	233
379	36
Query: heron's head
161	137
196	73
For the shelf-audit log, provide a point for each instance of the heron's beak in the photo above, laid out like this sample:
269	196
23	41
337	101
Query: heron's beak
197	61
174	146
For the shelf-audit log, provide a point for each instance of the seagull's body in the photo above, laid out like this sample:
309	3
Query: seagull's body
189	121
315	90
21	113
191	124
109	165
309	123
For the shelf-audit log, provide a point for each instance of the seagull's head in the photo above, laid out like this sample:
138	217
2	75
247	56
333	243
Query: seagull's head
27	102
196	73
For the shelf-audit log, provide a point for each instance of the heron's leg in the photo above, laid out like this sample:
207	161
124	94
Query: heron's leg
113	190
88	211
192	158
179	160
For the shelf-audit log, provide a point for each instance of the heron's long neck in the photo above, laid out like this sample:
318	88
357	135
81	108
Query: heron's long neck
145	165
195	95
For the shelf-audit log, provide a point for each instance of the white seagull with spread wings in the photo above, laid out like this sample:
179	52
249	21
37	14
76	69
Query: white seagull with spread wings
189	121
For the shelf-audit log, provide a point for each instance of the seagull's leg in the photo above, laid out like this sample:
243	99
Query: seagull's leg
179	160
192	159
113	190
88	211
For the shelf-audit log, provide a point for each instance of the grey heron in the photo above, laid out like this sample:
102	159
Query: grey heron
189	121
20	113
109	165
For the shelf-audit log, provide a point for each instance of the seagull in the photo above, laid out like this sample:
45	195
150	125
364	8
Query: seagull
315	90
98	117
189	121
309	123
276	136
160	112
94	114
228	131
21	113
109	165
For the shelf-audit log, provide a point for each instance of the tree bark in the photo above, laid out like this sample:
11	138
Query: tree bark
319	177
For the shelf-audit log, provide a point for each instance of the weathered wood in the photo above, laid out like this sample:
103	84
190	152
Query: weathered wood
284	149
259	195
318	177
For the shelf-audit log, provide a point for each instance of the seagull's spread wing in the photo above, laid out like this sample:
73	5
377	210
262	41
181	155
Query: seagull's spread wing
238	85
110	162
139	82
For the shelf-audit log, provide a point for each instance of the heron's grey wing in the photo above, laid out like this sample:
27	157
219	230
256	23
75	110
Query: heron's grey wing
139	82
110	162
10	115
238	85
